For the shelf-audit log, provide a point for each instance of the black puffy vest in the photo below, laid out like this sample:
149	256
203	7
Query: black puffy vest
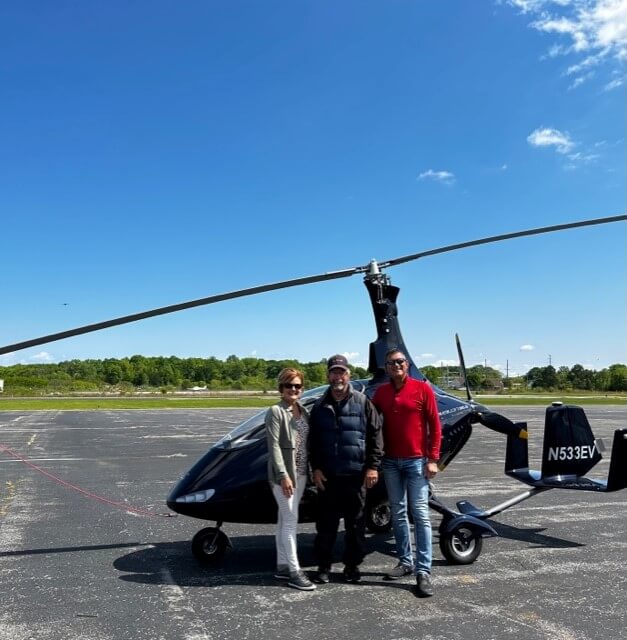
337	441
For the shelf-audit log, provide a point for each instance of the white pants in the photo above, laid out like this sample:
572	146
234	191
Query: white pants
287	523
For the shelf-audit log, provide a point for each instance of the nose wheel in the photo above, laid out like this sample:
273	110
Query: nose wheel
209	546
462	545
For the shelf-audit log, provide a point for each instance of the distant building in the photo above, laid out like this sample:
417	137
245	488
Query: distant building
1	386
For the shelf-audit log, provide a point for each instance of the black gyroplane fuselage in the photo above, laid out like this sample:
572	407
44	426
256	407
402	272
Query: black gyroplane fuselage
229	483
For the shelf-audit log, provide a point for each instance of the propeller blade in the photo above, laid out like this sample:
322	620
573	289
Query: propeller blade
332	275
462	364
505	236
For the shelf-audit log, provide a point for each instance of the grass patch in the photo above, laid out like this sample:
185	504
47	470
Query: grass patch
245	402
106	404
545	400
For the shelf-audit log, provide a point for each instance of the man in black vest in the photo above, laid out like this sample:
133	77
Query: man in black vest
345	449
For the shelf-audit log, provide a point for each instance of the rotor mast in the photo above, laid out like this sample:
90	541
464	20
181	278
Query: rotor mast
383	297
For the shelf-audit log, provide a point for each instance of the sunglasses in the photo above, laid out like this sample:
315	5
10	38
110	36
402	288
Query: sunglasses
291	385
399	361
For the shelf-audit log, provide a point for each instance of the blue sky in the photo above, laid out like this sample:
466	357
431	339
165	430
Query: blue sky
157	152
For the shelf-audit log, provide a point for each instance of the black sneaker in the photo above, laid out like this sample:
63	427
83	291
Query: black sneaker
424	586
352	574
298	580
322	577
399	571
282	572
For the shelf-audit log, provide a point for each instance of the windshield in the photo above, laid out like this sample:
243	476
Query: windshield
255	423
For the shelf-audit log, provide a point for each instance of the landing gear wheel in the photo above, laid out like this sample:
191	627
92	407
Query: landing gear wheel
209	546
462	545
378	517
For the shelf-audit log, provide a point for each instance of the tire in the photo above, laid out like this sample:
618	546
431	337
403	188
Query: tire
209	546
462	545
379	517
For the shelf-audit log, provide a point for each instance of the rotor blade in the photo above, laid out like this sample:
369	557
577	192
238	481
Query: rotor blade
332	275
505	236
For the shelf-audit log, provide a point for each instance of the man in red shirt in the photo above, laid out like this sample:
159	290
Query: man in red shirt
411	440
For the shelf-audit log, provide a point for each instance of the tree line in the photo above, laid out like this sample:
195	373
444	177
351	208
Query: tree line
165	373
173	373
576	378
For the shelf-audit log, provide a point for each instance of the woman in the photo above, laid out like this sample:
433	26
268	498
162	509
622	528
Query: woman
287	428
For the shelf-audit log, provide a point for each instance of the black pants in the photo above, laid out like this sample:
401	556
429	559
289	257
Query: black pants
343	497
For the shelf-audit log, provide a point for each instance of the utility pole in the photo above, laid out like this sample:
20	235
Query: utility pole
549	359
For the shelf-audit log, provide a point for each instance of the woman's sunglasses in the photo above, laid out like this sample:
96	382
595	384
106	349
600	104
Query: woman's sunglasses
291	385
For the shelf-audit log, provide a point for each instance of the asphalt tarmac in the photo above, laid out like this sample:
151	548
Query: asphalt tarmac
74	567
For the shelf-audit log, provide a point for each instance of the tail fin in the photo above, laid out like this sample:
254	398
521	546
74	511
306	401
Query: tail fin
517	452
617	478
569	444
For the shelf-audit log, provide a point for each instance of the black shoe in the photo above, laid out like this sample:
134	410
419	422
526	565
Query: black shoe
352	574
424	586
322	577
399	571
298	580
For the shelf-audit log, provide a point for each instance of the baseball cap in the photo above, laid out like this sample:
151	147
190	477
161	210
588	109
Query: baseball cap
337	361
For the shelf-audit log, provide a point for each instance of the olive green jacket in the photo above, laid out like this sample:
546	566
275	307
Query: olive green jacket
281	430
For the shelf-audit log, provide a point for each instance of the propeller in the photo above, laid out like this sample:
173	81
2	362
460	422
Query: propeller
462	364
371	268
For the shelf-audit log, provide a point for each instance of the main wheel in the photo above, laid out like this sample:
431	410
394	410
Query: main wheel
462	545
378	517
209	546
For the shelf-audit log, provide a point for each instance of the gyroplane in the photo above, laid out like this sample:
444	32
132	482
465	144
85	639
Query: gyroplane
229	483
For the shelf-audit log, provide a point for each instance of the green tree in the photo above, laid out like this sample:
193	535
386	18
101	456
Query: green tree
548	378
432	373
617	377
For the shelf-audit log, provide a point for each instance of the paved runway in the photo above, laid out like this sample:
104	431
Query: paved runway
72	567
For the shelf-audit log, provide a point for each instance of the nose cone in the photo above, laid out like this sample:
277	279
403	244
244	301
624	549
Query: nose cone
227	485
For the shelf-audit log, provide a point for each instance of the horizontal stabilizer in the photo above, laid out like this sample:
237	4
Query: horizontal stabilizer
469	509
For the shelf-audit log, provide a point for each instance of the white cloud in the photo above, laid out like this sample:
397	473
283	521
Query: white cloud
42	356
548	137
351	355
426	355
527	347
445	363
445	177
595	29
613	84
579	80
583	157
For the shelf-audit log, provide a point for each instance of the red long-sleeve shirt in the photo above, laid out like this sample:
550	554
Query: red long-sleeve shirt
411	423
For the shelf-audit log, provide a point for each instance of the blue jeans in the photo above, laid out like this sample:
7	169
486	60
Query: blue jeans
405	480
